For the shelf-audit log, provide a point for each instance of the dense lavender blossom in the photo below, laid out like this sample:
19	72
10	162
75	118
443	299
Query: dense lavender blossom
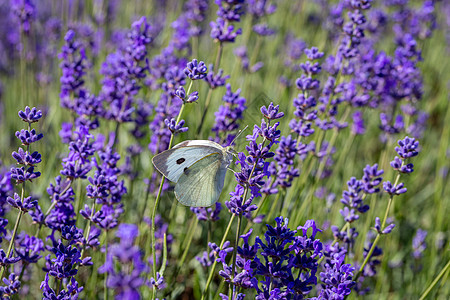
408	148
72	291
229	11
124	264
125	79
229	115
337	278
196	70
253	166
24	11
123	72
285	264
353	200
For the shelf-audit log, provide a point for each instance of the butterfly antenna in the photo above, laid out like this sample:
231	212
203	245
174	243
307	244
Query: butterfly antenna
239	133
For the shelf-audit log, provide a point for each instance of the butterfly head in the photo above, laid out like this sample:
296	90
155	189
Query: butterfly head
230	149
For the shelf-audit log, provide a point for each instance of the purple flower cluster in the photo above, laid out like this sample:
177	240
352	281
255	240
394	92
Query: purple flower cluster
254	166
123	72
228	116
25	158
106	189
195	11
408	148
259	10
12	286
174	95
284	265
25	12
6	189
229	11
208	213
62	265
124	264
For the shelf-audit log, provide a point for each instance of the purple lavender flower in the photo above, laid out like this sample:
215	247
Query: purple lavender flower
394	189
28	248
72	292
385	230
418	243
228	115
398	165
221	32
12	286
207	213
25	158
65	261
175	127
195	11
358	123
196	70
124	264
337	279
230	10
24	204
215	80
272	112
263	29
5	261
371	179
25	12
30	115
408	148
73	66
261	8
289	260
28	137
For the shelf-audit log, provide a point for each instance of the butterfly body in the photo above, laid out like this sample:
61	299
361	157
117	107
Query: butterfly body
198	167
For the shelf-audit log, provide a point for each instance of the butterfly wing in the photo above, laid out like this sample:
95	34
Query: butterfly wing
171	163
201	184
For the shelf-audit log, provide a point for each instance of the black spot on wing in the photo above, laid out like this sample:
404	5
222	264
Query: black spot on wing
186	171
180	161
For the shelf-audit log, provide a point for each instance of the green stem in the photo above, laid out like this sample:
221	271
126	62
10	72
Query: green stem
14	233
88	229
236	241
152	234
208	96
158	197
375	242
78	199
213	268
187	245
205	111
435	281
218	56
271	211
105	287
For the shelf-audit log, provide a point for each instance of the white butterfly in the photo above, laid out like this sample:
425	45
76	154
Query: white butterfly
198	167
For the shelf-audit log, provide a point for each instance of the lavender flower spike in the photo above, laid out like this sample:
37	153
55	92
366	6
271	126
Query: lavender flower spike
30	115
174	127
196	70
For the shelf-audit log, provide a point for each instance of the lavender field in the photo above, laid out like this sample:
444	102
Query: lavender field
338	113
